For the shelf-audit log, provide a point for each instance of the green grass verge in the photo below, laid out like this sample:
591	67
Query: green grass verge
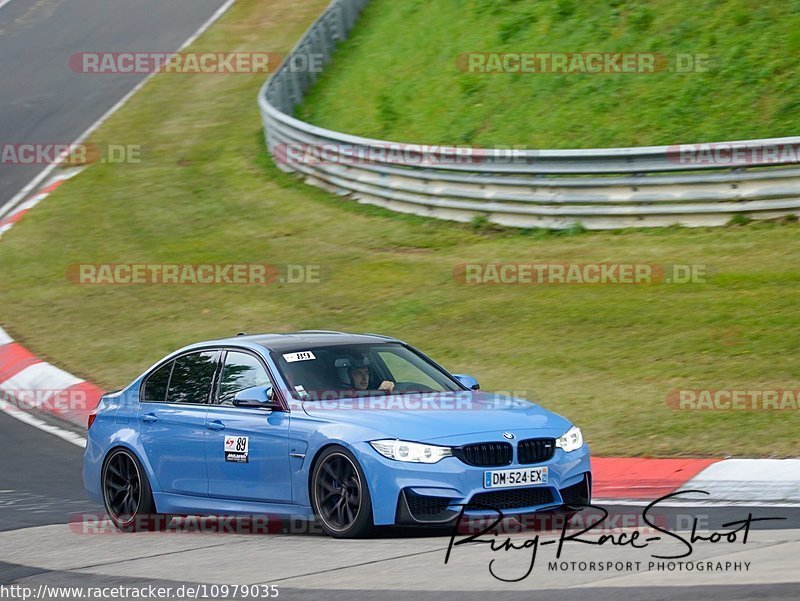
396	77
605	356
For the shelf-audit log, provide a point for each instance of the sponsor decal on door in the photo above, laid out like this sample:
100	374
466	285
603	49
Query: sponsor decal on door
237	449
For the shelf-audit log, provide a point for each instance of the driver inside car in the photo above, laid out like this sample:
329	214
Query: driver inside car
359	376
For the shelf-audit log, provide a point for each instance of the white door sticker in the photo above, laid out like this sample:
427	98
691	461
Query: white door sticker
301	356
237	449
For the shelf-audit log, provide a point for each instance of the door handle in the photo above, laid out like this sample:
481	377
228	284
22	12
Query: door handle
149	418
215	425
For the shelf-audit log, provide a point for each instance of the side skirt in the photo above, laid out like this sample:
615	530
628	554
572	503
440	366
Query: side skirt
188	505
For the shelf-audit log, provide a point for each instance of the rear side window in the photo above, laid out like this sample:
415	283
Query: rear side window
241	371
192	378
155	388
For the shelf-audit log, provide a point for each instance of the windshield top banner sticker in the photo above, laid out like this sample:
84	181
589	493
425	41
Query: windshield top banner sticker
301	356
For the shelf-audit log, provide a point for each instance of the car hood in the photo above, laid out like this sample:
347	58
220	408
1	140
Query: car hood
434	417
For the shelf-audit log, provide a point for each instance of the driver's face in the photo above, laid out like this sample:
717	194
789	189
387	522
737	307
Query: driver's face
361	378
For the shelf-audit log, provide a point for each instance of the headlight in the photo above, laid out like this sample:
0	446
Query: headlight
414	452
571	441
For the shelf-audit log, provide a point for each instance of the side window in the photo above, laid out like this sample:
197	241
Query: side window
192	377
240	371
155	388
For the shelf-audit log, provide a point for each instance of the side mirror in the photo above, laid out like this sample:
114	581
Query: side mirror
467	381
258	397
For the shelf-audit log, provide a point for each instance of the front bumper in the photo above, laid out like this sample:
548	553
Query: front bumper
416	509
414	493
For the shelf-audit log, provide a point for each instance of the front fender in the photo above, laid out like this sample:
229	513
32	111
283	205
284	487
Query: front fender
315	435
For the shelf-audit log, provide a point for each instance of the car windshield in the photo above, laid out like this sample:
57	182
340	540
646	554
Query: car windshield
337	371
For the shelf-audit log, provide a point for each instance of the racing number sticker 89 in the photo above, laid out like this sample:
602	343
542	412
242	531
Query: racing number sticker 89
301	356
237	449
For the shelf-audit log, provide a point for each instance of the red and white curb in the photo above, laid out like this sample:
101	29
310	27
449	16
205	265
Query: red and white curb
639	481
18	212
28	383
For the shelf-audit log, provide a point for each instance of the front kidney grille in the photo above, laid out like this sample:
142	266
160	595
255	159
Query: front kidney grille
536	450
485	454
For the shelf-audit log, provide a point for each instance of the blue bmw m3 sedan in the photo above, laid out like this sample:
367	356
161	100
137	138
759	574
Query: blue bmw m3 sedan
352	430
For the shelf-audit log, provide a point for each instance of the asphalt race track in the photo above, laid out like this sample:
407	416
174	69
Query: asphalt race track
45	540
42	101
39	483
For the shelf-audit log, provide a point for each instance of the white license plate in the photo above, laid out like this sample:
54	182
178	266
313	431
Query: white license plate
512	478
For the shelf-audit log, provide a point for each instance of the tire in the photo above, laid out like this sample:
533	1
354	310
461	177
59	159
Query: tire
339	494
127	496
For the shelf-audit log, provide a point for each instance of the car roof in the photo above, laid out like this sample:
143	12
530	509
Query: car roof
304	339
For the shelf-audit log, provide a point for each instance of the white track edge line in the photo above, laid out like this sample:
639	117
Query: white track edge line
22	194
34	421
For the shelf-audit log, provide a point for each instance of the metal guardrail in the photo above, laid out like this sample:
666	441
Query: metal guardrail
690	185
